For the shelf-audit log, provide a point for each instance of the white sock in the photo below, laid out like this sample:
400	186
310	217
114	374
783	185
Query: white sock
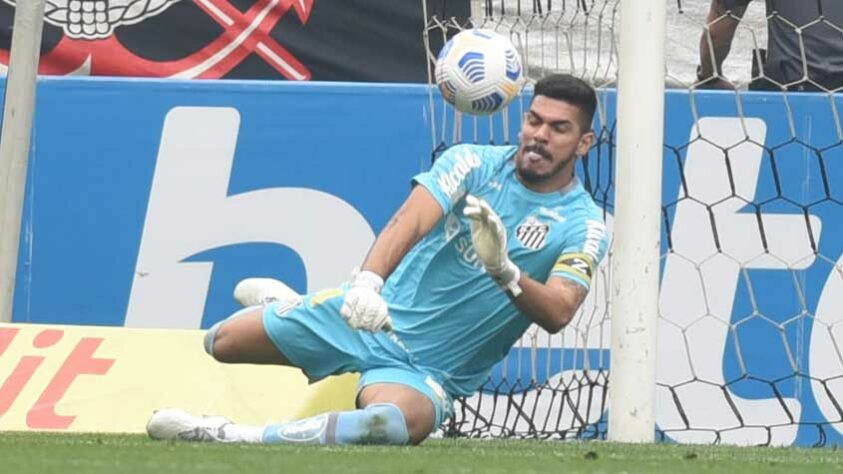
243	433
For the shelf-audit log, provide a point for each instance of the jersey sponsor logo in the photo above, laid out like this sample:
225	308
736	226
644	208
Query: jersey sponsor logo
465	248
594	236
532	233
451	181
553	214
452	227
577	264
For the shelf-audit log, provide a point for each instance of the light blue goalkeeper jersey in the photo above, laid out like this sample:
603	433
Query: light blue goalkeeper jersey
451	316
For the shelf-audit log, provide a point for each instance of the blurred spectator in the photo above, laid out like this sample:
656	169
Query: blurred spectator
804	45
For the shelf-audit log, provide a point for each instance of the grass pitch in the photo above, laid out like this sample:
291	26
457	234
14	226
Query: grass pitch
28	453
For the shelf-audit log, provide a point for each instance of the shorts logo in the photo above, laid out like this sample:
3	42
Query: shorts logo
532	233
437	389
283	307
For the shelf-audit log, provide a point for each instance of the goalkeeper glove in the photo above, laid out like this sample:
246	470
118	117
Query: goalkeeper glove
489	237
363	307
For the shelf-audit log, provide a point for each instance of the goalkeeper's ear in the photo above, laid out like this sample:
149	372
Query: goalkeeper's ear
586	140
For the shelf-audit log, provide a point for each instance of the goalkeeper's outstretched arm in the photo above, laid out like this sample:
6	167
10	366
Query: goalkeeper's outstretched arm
414	219
363	306
551	305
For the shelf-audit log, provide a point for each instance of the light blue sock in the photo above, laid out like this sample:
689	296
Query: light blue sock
381	423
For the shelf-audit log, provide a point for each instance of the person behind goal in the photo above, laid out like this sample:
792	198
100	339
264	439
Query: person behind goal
490	240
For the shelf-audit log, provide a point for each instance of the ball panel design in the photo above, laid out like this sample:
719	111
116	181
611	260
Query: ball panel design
513	65
448	90
487	104
473	66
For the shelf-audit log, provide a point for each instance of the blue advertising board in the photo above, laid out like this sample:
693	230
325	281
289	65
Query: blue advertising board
233	165
148	200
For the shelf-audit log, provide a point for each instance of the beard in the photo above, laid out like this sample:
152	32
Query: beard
530	174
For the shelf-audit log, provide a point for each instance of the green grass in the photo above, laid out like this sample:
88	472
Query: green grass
25	453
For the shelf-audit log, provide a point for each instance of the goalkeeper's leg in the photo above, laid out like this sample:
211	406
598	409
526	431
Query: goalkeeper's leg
241	337
397	402
392	414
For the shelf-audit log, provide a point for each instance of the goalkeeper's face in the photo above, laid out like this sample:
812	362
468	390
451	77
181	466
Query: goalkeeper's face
551	139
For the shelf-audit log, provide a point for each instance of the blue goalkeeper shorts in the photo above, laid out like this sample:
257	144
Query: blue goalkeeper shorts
315	338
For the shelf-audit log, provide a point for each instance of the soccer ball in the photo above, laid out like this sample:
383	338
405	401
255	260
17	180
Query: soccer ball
479	72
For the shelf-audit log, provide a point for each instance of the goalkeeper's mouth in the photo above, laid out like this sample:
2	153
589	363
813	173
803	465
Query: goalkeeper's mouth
536	153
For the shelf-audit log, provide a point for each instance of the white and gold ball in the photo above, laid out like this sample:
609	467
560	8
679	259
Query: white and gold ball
479	71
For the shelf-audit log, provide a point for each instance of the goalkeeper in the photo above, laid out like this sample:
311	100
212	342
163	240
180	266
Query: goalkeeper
489	241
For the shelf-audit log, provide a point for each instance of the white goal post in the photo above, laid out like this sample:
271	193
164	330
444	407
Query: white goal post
14	139
638	198
580	38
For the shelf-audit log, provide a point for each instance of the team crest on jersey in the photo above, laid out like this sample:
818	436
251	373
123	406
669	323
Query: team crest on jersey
532	233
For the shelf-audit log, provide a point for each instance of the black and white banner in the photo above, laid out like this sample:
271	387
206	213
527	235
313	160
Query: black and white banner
329	40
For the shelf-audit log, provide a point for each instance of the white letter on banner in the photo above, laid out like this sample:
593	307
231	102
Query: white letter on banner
699	287
189	212
826	362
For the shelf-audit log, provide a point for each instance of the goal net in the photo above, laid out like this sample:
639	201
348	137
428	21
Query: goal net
751	299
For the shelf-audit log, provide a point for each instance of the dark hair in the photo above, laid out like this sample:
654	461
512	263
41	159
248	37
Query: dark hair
572	90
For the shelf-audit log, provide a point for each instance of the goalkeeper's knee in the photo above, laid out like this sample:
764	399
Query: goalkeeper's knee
211	334
380	423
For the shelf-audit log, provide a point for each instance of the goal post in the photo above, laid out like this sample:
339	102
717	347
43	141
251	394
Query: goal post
750	257
638	200
556	385
14	140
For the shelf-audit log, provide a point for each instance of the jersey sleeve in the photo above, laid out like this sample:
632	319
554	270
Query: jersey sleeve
583	251
460	170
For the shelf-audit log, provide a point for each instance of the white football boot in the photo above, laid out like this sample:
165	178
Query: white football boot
260	291
174	424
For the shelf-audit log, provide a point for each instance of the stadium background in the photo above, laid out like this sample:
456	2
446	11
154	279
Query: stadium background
109	252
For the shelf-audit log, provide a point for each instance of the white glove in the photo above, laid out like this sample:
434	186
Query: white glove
364	308
489	237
